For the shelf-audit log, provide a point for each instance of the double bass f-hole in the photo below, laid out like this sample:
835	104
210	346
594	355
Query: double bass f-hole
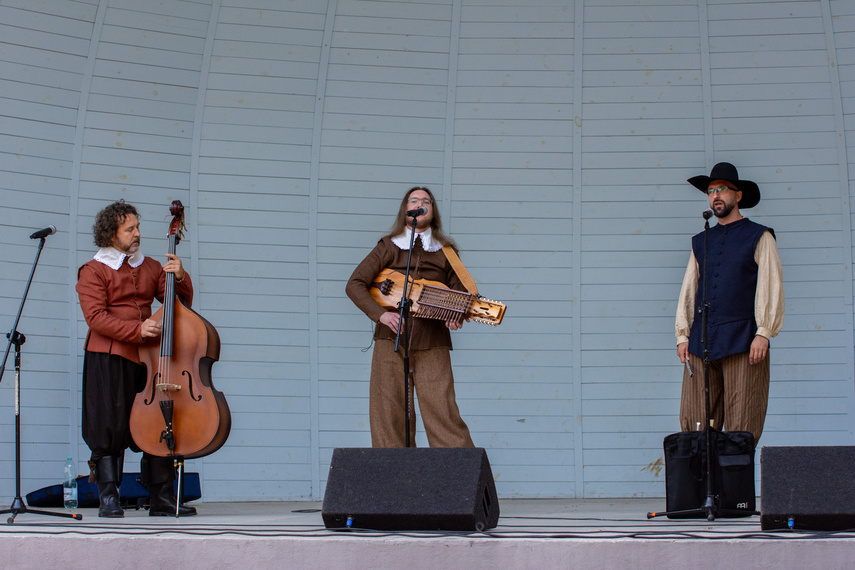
190	386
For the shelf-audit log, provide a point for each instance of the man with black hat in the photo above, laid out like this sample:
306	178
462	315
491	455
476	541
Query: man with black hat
745	296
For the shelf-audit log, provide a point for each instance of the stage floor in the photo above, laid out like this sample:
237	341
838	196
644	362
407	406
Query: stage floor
600	533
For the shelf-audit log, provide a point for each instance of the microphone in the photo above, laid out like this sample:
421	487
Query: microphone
708	214
416	213
48	231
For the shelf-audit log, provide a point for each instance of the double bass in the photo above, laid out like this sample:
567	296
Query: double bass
179	413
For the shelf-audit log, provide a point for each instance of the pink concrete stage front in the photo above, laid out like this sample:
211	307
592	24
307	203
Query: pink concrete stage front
589	534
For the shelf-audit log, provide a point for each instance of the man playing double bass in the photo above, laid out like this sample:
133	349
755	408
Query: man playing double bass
116	290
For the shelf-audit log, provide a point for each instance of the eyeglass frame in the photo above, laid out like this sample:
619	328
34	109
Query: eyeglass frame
720	189
420	201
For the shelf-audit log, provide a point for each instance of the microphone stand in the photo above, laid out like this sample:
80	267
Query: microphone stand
403	329
18	506
709	504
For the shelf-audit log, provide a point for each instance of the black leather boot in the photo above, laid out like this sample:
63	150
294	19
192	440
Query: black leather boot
162	497
161	489
108	490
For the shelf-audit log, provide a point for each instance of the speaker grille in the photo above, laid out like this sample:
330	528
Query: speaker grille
410	489
807	488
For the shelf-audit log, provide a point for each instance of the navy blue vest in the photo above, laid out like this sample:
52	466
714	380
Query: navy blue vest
731	286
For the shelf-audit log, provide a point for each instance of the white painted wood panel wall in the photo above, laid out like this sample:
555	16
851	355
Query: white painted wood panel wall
557	136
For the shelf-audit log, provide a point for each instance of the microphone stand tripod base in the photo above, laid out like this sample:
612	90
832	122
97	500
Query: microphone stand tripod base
19	507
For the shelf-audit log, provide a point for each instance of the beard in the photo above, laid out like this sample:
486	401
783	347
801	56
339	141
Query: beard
423	223
723	210
130	247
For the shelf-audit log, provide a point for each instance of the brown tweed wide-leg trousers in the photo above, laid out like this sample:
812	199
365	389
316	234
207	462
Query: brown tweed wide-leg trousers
433	381
739	394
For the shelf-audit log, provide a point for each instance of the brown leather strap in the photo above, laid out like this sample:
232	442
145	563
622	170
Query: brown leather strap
462	274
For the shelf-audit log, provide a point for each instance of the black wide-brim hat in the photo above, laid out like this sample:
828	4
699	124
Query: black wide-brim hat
726	171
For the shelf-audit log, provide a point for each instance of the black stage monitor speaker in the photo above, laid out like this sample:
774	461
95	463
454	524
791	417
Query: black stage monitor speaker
410	488
807	488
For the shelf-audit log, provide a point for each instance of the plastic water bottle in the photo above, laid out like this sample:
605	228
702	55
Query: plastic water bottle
69	486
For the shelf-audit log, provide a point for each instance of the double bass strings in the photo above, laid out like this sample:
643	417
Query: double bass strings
168	328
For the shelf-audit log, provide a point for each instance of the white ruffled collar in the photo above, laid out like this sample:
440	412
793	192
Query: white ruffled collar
428	243
113	258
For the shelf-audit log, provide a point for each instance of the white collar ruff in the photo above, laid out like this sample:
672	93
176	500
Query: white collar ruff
113	258
428	243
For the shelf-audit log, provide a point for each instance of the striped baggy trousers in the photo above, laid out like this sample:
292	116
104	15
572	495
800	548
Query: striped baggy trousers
739	394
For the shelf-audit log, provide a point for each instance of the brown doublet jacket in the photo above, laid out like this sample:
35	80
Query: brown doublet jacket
116	301
430	265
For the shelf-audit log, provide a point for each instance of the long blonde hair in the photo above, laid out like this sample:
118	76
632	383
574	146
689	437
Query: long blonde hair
401	219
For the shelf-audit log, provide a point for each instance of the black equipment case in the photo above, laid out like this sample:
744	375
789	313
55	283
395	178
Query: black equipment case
131	493
732	472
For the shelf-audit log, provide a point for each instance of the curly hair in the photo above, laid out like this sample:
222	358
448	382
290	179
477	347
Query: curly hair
436	222
108	220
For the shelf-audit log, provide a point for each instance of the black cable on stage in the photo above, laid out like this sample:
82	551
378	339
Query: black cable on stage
295	531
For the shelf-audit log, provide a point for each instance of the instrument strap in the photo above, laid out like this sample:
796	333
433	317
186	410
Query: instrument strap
462	274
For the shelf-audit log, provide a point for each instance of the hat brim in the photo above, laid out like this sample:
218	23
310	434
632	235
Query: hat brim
750	190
